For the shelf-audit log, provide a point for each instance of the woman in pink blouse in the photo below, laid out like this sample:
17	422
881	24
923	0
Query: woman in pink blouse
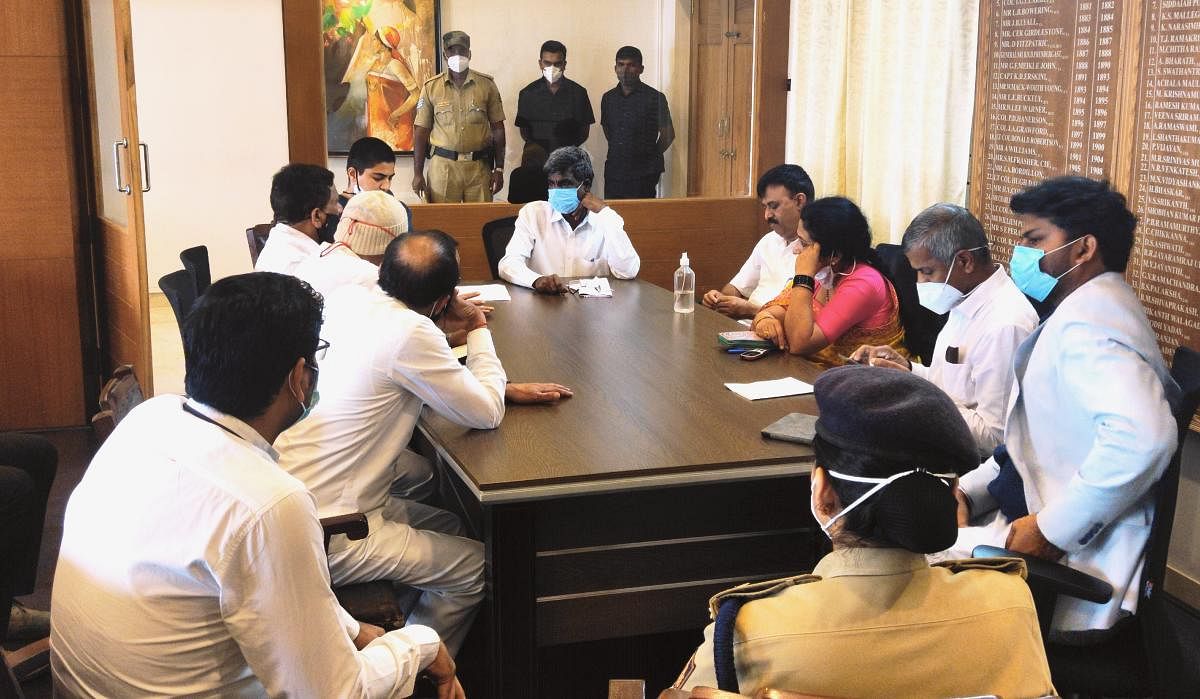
841	297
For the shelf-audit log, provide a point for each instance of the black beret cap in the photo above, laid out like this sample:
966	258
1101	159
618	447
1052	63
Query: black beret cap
895	416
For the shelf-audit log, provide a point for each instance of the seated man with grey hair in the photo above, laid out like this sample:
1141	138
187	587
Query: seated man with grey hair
989	317
573	234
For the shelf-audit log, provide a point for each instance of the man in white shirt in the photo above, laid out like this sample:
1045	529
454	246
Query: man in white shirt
1089	429
989	317
191	564
368	223
305	204
387	360
573	234
783	191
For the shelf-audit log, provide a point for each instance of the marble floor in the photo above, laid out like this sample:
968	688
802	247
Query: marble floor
166	347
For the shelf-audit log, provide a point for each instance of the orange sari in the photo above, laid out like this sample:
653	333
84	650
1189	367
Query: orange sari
834	354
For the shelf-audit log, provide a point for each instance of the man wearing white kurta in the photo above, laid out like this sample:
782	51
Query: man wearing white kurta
191	564
574	234
1089	428
304	203
988	318
387	360
783	191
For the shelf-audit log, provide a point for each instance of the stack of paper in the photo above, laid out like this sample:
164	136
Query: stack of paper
777	388
596	288
487	292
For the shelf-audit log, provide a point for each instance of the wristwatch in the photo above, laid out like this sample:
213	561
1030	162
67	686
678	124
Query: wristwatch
805	281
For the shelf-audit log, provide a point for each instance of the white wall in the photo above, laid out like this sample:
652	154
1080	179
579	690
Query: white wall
506	37
212	108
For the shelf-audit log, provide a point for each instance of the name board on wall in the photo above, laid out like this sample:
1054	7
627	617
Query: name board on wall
1108	89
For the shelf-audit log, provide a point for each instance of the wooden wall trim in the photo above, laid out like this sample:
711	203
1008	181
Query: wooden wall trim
304	81
768	131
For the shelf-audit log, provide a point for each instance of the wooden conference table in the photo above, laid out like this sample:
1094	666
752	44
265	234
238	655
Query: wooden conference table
620	511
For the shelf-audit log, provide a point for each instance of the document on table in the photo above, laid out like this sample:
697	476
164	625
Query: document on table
777	388
487	292
595	288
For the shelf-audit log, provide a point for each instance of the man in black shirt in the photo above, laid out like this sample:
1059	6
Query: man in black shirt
637	124
554	111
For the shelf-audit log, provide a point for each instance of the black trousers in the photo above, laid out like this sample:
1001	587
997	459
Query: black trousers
630	186
27	467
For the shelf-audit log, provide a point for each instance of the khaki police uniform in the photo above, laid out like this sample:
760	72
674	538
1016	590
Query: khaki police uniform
460	119
882	622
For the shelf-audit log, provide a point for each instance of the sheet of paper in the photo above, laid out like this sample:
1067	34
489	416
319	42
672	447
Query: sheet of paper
487	292
777	388
747	322
595	288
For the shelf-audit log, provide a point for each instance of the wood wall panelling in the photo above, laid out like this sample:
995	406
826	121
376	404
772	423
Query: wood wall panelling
303	61
30	28
717	233
768	138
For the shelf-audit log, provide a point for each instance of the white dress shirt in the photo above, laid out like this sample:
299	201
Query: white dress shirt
982	332
191	564
286	248
335	265
543	244
384	363
1090	431
769	268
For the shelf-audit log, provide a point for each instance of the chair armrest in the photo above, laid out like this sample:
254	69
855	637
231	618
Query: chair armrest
1055	577
354	526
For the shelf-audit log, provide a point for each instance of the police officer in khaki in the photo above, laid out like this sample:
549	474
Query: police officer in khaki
875	619
460	125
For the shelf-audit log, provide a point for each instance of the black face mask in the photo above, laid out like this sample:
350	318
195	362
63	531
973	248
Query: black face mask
326	231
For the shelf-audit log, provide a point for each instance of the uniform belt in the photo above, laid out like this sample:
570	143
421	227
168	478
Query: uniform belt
455	155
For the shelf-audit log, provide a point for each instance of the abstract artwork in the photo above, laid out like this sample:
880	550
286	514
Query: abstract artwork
378	53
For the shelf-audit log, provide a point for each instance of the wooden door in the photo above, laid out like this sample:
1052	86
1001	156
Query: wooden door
120	180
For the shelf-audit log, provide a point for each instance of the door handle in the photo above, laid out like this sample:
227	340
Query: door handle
733	35
117	146
145	166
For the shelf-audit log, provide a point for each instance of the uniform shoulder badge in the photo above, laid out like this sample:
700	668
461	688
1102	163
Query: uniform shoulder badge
757	590
1012	566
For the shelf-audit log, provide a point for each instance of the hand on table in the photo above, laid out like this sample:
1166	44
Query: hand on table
478	302
732	306
441	671
769	328
527	393
366	634
1024	536
881	355
549	284
462	315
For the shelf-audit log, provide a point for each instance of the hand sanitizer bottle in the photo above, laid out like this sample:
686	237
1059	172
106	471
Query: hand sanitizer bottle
685	287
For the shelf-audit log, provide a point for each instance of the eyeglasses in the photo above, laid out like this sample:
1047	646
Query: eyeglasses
322	348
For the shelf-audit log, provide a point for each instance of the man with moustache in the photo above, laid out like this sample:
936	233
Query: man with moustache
637	123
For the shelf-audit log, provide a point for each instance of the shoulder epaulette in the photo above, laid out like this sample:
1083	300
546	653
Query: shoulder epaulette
757	590
1012	566
439	76
484	75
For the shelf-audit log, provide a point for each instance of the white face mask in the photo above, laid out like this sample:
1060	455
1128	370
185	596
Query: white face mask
940	297
824	275
458	64
552	73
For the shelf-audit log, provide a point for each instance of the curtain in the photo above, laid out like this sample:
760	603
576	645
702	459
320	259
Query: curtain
881	105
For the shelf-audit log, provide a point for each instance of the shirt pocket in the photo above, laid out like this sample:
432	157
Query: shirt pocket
443	114
956	381
475	114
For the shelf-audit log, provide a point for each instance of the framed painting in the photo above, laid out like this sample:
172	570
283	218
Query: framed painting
378	53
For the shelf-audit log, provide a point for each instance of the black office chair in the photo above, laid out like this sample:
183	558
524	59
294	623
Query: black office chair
496	235
921	325
195	261
1132	659
180	291
256	239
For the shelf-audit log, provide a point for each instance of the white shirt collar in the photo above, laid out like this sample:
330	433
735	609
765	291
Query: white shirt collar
978	297
556	216
236	426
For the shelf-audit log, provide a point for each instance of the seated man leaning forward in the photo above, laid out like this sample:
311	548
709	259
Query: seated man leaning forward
369	222
191	564
305	206
989	317
1090	430
574	234
841	297
874	618
783	191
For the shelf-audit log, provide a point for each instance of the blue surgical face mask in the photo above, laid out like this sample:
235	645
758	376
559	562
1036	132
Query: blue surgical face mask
1026	270
564	200
306	410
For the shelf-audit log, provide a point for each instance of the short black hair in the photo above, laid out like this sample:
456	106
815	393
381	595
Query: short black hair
369	151
917	512
791	177
553	46
299	188
630	52
840	227
420	267
1082	206
244	335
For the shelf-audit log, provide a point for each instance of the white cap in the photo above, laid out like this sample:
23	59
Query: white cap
683	260
370	221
